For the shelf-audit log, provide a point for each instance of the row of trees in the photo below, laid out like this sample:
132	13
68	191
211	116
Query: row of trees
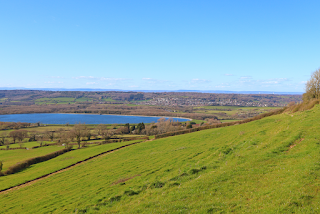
79	133
12	125
164	126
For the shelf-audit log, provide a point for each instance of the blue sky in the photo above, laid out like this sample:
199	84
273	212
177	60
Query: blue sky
159	45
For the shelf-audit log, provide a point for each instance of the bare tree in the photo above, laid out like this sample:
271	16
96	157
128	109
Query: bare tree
87	133
107	134
64	139
32	136
18	135
313	87
14	135
77	132
50	135
101	128
22	135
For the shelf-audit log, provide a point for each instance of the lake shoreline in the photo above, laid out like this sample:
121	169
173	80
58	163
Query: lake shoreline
87	118
120	115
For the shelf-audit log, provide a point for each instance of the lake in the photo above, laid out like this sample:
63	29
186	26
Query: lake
54	118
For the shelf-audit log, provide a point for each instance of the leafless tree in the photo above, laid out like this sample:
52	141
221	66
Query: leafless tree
87	133
64	139
101	128
14	135
50	135
22	135
18	135
313	87
107	134
77	132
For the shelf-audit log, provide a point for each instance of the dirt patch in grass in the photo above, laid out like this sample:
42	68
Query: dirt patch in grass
293	145
122	180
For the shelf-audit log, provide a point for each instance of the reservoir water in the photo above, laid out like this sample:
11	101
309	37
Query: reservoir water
54	118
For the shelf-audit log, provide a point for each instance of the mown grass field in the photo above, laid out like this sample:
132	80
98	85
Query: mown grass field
267	166
11	157
52	165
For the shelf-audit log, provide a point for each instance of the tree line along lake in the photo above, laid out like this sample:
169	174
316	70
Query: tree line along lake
59	118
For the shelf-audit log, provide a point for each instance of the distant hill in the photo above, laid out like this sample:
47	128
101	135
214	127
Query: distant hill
197	91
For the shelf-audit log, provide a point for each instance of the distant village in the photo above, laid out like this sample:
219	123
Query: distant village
201	102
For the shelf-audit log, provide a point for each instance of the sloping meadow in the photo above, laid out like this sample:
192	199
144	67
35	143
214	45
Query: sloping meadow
267	166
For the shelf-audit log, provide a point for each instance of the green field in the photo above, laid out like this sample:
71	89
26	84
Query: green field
233	112
65	100
52	165
266	166
11	157
107	99
60	100
26	144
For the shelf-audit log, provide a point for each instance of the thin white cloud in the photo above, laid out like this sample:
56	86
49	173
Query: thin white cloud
101	78
53	82
84	77
91	83
155	81
197	81
56	77
275	81
113	79
246	77
228	74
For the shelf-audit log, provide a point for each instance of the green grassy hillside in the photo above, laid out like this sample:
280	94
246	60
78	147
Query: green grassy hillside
267	166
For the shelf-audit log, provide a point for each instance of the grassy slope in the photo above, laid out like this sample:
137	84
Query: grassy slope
245	168
11	157
55	164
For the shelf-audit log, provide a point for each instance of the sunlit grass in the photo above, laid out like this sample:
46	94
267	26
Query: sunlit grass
266	166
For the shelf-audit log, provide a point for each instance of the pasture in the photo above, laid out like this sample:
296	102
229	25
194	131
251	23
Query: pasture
265	166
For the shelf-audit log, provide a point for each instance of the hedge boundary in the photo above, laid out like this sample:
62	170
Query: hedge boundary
24	164
67	167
